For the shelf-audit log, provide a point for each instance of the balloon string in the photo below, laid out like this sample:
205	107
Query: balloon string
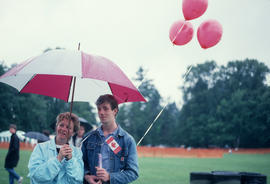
186	74
151	125
178	32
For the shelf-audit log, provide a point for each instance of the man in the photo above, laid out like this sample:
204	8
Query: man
119	161
12	157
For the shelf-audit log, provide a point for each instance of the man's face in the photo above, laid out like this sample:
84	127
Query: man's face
62	129
106	114
12	130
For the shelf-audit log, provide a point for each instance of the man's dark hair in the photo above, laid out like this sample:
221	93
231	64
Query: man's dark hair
109	99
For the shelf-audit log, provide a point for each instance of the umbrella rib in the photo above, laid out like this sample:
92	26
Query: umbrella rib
27	82
72	97
69	89
71	103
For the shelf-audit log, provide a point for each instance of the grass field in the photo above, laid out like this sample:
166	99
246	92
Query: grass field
170	170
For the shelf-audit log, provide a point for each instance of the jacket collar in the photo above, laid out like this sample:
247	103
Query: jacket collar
119	132
52	145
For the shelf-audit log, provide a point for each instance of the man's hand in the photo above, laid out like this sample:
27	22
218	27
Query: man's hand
65	152
92	179
102	174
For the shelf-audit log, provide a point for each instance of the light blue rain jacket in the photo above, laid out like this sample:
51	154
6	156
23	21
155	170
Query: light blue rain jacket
45	168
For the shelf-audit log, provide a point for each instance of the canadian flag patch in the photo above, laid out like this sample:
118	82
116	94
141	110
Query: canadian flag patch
113	144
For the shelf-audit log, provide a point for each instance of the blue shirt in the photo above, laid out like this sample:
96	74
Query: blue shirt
105	149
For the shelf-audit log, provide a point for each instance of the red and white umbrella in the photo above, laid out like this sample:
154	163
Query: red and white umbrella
55	73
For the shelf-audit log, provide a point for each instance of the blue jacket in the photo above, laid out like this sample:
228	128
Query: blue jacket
45	168
124	164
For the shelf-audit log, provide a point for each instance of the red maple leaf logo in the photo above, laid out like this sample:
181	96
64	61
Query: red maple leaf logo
113	144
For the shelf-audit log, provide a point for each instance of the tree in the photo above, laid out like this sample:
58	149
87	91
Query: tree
221	105
169	126
136	117
7	95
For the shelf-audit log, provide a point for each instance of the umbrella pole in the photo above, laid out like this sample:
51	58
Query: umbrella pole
71	103
72	97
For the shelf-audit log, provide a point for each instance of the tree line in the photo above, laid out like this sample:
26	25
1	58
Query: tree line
224	106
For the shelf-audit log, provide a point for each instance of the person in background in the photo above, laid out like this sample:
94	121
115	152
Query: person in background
55	161
109	152
12	157
46	133
77	138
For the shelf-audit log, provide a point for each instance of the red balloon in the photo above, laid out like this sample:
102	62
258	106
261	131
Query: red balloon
193	8
209	33
181	32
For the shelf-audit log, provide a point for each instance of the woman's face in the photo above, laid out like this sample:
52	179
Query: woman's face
63	131
81	131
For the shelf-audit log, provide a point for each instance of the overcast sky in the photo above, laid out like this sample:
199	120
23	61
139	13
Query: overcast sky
134	33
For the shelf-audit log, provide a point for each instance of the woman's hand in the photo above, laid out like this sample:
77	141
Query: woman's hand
65	152
92	179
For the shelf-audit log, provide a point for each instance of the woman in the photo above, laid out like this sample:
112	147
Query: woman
55	161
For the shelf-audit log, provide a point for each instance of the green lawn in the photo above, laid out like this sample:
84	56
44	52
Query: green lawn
21	168
171	170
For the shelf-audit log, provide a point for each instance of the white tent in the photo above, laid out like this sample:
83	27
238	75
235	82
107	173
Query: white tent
5	135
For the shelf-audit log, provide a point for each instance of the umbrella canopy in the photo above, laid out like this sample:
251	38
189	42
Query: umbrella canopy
55	72
37	135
